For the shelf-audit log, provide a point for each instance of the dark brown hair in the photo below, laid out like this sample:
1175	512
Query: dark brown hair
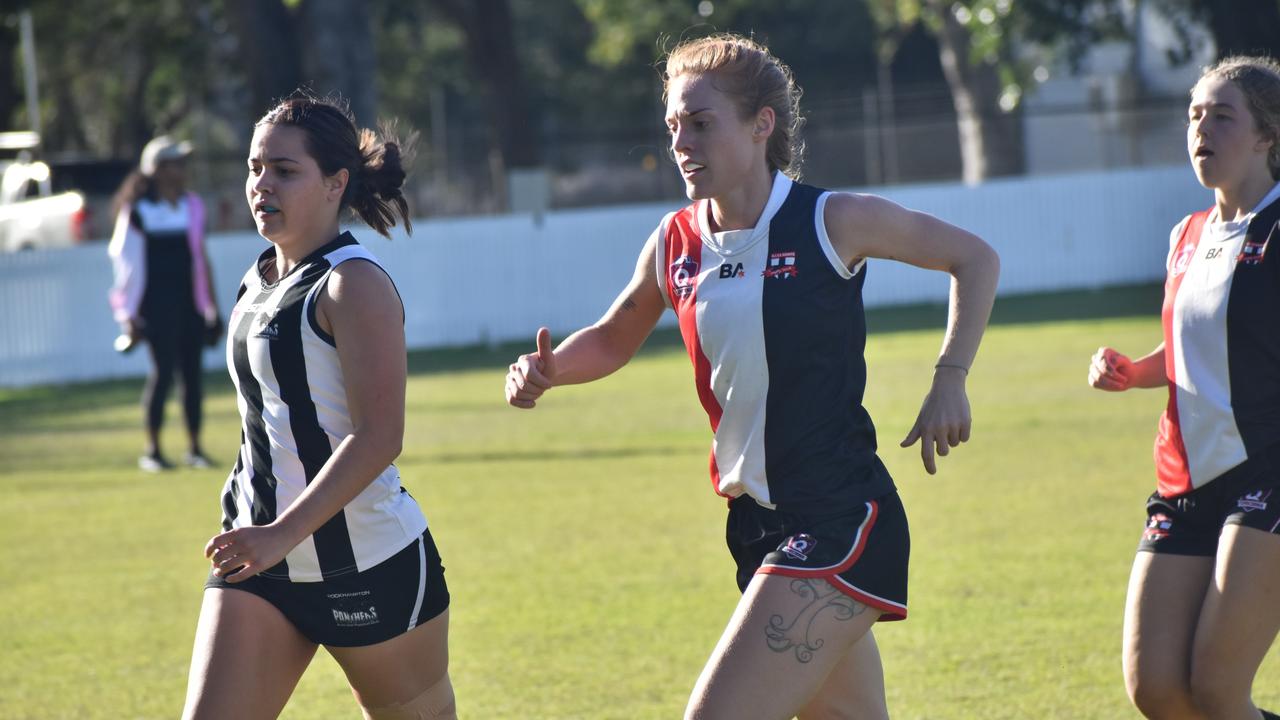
373	160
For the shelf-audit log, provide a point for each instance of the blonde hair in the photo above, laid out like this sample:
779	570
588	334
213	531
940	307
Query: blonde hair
1259	81
748	72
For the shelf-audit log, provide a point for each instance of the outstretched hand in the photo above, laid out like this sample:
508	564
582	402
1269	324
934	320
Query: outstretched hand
532	374
944	419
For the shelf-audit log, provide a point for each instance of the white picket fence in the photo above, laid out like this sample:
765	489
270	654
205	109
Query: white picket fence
491	279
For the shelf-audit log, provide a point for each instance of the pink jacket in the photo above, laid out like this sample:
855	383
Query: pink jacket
129	262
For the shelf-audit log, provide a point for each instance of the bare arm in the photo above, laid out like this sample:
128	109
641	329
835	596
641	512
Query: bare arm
597	350
1115	372
866	226
360	308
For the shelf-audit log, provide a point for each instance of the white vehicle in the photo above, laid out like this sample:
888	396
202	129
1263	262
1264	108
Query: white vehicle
31	216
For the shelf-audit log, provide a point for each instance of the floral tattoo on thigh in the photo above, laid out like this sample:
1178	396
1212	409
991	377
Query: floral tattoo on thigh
783	634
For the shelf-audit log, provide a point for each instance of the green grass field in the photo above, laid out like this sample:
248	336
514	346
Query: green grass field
584	545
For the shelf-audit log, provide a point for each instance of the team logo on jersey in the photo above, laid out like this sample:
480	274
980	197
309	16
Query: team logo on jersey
1253	251
798	546
781	265
353	609
268	328
1183	259
1254	501
684	274
1158	527
730	270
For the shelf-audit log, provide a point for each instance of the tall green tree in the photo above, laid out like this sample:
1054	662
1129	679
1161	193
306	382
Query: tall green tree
976	43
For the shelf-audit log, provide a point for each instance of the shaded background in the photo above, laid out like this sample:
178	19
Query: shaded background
524	105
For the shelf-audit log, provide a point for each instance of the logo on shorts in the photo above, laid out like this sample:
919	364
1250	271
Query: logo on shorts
1254	501
353	609
1158	527
798	547
684	272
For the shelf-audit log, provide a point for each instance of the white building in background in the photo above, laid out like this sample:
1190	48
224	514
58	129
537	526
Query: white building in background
1125	106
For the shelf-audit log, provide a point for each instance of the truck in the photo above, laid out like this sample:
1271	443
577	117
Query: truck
32	216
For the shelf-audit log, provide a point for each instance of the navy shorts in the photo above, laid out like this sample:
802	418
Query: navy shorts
863	553
362	608
1189	524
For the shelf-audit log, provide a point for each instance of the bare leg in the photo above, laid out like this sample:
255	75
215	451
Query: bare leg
855	689
400	669
1240	619
247	659
1165	595
785	638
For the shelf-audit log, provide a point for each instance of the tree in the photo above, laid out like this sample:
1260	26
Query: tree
323	45
491	48
1238	27
976	43
112	74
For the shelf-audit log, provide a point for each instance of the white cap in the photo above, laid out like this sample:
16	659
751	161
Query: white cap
160	149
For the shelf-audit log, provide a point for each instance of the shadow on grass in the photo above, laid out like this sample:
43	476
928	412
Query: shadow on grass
1113	302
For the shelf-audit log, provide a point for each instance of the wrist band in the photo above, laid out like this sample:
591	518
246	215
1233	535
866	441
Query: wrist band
947	365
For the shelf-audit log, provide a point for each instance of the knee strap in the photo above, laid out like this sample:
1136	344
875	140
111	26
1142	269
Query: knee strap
435	703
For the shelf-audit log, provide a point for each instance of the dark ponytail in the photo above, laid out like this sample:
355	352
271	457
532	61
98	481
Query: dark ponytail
374	162
377	196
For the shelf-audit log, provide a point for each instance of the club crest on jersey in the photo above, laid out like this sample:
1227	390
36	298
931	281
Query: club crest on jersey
798	547
684	273
1183	259
1253	251
781	265
268	328
1254	501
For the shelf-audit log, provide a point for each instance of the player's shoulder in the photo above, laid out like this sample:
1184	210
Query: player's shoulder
858	209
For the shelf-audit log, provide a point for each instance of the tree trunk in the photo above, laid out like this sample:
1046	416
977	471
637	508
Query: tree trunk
339	54
268	38
9	96
991	140
1243	27
491	47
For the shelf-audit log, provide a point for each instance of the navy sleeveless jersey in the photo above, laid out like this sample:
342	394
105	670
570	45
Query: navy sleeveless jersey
774	325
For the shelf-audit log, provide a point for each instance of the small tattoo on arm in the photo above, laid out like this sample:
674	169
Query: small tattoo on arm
628	304
783	635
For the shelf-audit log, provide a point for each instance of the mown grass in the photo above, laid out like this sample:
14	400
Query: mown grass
584	546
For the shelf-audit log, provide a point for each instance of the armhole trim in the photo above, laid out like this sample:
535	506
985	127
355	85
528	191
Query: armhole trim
824	241
660	257
313	296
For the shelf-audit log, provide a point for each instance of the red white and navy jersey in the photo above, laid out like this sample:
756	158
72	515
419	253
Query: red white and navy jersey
774	324
293	410
1222	346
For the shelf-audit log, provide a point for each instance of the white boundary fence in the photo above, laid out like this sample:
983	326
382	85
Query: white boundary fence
492	279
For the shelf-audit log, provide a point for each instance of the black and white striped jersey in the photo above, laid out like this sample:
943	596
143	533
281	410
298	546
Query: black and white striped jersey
293	410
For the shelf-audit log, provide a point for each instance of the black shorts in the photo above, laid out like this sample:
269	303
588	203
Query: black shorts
362	608
1189	524
863	553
